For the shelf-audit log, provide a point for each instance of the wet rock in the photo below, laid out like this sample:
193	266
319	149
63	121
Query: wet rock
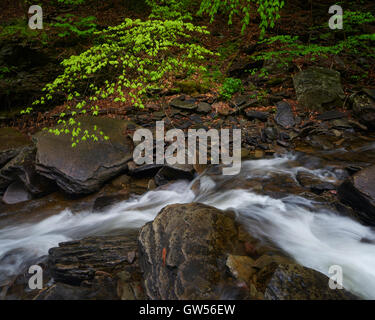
295	282
313	183
204	107
241	267
358	191
96	268
331	115
182	103
16	193
357	125
143	171
4	183
284	136
101	288
321	142
105	202
341	124
283	143
284	116
177	265
271	133
76	261
22	167
319	88
364	109
11	143
252	115
174	172
86	167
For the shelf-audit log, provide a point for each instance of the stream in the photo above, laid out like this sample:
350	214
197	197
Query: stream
311	232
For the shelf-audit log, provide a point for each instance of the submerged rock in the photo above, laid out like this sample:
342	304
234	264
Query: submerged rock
86	167
313	183
319	88
358	191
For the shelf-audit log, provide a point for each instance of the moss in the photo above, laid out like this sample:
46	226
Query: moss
192	87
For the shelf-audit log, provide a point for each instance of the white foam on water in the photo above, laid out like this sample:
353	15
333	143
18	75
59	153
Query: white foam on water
314	237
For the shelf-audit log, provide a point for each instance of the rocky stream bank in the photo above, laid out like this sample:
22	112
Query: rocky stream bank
187	249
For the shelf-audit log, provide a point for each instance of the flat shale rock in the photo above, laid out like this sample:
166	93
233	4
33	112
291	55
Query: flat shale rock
182	103
95	268
77	261
83	169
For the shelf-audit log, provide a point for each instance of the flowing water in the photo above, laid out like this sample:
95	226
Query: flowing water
313	235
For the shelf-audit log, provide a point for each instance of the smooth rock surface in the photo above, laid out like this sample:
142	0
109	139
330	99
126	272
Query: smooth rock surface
284	116
86	167
16	193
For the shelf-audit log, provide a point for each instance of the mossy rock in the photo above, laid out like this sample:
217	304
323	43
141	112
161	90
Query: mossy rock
192	87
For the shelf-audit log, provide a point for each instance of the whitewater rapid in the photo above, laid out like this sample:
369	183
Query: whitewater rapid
315	237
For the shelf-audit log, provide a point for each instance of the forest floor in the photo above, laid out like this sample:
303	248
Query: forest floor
235	50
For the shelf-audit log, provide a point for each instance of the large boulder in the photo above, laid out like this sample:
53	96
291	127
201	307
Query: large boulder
86	167
194	251
183	252
358	191
319	88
